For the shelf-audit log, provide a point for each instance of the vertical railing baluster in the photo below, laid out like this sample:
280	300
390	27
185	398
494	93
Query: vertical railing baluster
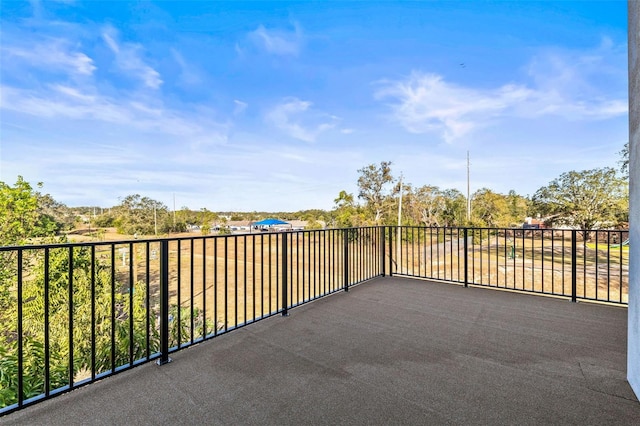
179	293
465	234
391	233
113	308
270	250
191	286
285	275
148	299
226	283
608	267
261	275
131	289
574	265
20	332
70	296
235	279
204	285
244	276
47	349
381	248
164	303
253	275
346	259
93	312
553	262
620	287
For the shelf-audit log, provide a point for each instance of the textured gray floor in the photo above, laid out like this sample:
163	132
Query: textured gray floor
391	351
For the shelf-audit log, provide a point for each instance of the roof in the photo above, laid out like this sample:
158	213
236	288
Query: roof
270	222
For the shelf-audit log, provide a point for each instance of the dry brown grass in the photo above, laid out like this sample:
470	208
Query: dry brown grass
238	278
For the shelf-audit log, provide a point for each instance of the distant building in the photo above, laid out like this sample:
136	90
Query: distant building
531	223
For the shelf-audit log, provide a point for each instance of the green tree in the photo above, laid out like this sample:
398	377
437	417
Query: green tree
588	199
374	188
455	208
21	220
141	215
490	209
21	215
64	217
346	213
427	205
518	208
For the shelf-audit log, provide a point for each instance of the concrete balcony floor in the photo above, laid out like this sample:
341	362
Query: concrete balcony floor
390	351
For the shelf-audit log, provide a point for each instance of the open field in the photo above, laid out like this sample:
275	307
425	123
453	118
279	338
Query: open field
541	263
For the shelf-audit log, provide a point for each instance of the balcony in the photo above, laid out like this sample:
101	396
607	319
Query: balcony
389	349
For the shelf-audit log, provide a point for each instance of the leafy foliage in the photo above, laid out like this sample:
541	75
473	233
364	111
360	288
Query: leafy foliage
373	185
587	199
21	217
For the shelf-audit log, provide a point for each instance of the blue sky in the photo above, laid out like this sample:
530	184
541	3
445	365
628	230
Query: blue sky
274	106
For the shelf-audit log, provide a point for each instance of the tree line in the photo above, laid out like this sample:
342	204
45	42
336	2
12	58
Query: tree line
587	199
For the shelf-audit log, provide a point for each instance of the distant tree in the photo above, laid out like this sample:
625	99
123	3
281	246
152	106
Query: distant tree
624	161
427	205
63	216
345	213
455	208
374	188
518	208
140	215
313	224
104	220
490	209
588	199
206	218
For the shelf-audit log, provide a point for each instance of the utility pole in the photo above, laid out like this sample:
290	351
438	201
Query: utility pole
468	192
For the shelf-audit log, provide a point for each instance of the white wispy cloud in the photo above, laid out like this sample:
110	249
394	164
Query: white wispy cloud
294	117
128	59
562	85
188	76
277	41
240	107
426	102
58	101
52	54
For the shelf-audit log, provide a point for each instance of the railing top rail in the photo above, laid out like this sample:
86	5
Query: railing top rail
206	237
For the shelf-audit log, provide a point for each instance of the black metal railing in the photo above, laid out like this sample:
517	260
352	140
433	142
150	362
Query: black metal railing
585	265
73	313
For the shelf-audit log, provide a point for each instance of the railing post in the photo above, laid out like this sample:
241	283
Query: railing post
164	303
346	258
391	251
381	248
574	265
285	275
20	333
466	256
